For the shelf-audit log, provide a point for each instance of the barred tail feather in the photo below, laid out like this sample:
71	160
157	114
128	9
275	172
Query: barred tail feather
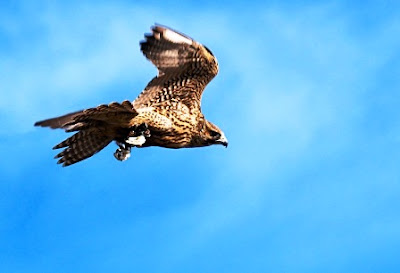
95	128
82	145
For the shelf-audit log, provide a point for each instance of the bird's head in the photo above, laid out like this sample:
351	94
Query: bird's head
213	135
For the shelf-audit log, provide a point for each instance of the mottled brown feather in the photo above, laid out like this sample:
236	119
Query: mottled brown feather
58	122
113	113
82	145
169	105
96	127
184	66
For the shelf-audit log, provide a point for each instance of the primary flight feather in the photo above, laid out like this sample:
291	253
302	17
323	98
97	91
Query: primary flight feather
166	114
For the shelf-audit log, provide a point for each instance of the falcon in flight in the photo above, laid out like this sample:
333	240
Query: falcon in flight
166	114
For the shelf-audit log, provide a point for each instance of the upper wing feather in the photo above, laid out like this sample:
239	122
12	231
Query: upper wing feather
184	66
58	122
113	113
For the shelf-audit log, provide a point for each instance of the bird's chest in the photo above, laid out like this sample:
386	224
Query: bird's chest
173	125
179	135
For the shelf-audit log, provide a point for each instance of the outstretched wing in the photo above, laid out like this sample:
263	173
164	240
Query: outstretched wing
184	66
113	113
96	127
58	122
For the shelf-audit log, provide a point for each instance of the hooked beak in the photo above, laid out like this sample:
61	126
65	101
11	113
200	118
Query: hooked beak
223	141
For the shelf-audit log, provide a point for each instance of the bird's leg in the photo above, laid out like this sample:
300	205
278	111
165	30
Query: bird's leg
138	134
123	152
136	137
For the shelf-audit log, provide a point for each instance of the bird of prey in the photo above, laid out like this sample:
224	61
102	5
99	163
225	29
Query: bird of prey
166	113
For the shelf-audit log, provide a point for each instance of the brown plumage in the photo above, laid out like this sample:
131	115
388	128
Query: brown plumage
167	113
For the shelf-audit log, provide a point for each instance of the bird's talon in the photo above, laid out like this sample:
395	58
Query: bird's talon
123	152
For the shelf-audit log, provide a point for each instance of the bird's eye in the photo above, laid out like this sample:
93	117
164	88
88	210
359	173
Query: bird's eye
215	134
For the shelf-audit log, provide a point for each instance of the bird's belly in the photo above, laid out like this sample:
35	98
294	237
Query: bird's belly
175	141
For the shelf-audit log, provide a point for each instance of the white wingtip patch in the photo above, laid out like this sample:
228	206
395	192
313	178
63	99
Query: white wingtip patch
176	37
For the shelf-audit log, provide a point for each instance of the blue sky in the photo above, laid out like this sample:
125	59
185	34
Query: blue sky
307	94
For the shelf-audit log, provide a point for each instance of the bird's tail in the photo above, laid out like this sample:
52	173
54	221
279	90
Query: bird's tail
95	127
82	145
